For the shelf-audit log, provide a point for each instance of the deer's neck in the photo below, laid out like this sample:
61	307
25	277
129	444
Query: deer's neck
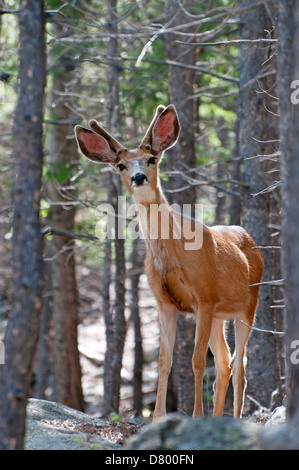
146	195
156	218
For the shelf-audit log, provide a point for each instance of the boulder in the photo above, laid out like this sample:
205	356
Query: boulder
176	432
53	426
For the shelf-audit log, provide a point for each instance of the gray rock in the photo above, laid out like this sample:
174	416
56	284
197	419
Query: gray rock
183	433
53	426
278	416
281	434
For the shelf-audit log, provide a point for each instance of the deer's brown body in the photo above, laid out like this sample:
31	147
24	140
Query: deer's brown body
213	281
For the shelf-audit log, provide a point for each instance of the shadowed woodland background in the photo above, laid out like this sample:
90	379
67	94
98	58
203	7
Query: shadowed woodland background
79	322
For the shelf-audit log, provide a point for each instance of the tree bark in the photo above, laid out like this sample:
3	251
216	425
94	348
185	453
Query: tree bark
24	321
288	71
257	126
137	262
44	363
107	314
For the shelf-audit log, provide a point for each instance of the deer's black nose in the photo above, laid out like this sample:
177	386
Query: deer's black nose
138	178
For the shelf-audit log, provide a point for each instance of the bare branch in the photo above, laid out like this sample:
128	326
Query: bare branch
232	41
63	122
269	188
270	156
281	333
186	66
266	247
277	282
69	233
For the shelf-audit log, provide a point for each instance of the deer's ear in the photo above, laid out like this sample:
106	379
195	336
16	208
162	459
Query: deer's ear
94	146
166	130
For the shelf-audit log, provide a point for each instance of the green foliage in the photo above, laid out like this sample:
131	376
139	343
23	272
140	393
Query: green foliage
45	208
58	171
115	417
148	85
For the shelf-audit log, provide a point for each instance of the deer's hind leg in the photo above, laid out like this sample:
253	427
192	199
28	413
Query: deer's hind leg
242	333
222	358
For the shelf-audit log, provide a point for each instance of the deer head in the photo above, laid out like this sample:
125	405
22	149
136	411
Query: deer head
138	167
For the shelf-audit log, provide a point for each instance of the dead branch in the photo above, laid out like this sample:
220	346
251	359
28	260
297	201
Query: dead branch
277	282
69	234
232	41
269	188
270	247
282	333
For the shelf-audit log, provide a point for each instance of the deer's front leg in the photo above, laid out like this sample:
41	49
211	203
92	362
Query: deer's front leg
168	321
202	334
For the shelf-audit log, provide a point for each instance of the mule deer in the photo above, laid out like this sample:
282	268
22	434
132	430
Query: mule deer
212	283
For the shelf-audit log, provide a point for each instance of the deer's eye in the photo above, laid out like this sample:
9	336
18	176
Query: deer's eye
121	167
151	161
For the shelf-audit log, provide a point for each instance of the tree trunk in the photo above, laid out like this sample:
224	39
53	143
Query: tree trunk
24	321
114	318
182	158
63	151
258	126
137	261
118	308
107	314
288	71
44	363
235	209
